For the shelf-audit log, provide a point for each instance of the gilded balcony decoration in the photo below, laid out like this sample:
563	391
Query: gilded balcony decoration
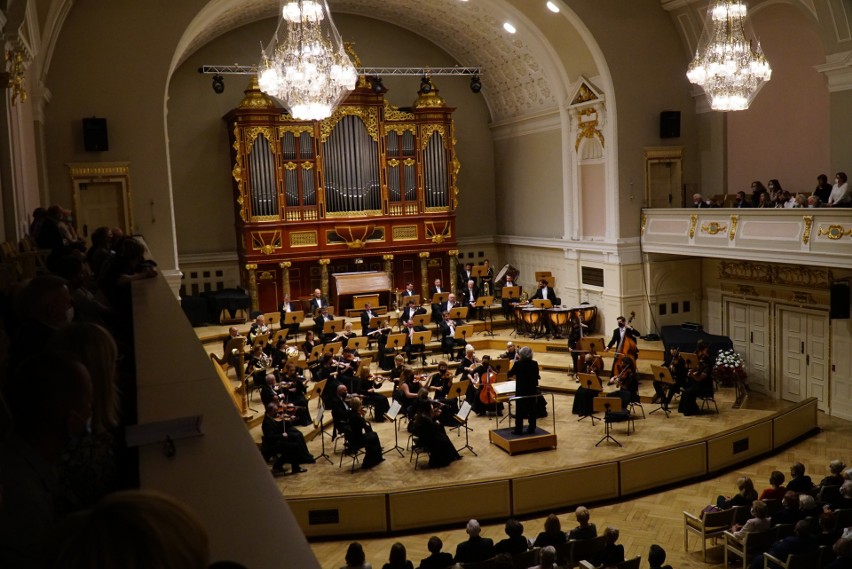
693	220
713	227
834	232
266	241
806	234
733	233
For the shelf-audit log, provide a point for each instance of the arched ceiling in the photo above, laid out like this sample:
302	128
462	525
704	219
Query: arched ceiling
518	76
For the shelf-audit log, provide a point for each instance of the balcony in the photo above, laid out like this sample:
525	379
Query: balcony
818	237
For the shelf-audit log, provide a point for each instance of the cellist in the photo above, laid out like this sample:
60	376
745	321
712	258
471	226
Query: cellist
624	339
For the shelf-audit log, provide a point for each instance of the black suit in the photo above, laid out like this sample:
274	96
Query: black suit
616	337
448	342
464	298
440	560
541	295
475	549
285	442
365	322
409	312
526	376
316	305
320	321
412	349
436	308
283	310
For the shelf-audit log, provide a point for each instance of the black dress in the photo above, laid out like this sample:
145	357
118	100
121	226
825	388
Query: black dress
433	436
361	435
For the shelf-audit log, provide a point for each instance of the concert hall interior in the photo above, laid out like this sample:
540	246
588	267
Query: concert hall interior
580	158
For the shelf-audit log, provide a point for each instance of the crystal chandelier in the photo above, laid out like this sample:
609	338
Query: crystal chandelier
726	66
305	65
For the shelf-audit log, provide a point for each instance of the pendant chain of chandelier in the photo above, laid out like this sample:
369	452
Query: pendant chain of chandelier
305	65
728	65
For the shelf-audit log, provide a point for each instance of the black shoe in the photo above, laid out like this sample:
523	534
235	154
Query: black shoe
278	472
656	399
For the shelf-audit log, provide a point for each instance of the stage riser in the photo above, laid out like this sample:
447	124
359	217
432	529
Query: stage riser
518	445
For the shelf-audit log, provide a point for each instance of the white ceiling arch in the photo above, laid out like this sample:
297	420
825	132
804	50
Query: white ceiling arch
521	72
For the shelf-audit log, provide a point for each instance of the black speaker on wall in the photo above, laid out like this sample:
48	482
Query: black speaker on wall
840	297
670	124
95	137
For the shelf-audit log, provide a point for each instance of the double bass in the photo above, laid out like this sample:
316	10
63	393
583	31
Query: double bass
627	349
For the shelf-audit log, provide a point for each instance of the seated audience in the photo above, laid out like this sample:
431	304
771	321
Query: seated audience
585	530
808	506
515	543
546	558
612	553
656	557
814	201
397	558
776	488
844	501
843	550
759	521
552	534
746	495
840	195
437	559
802	541
476	548
835	477
790	511
355	558
799	481
823	189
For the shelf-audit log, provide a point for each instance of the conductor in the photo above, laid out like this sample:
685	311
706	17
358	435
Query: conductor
526	374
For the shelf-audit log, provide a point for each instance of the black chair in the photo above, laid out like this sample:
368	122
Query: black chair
351	450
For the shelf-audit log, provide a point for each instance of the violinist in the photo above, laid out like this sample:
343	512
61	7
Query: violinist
677	367
361	435
399	367
284	442
448	340
627	383
410	311
428	427
295	391
526	374
585	395
407	392
440	384
309	344
511	353
699	381
368	387
270	391
347	366
466	368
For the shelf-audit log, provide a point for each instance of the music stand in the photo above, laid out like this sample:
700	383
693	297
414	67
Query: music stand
461	418
459	313
510	292
393	415
357	343
261	340
331	348
477	271
587	342
420	339
662	374
440	297
501	366
376	320
592	382
294	318
316	391
690	359
462	332
396	341
316	353
420	320
330	327
484	303
542	303
609	405
414	297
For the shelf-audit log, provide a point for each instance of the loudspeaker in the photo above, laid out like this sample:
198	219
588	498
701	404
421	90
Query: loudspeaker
670	124
840	298
692	326
95	137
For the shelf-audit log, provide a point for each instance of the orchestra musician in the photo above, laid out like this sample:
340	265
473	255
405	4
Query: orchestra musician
338	403
270	391
399	367
624	329
700	381
284	442
318	302
486	281
449	342
361	435
485	398
677	368
627	383
511	353
508	304
309	344
366	316
410	311
410	347
320	321
368	387
545	292
470	294
450	303
409	290
437	288
295	391
230	358
279	355
584	396
575	333
407	391
284	310
257	365
436	308
257	328
465	275
347	367
344	335
429	429
526	374
440	384
381	334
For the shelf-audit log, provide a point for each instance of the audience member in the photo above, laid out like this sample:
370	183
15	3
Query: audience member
552	534
843	550
757	190
808	506
799	481
355	558
776	488
742	201
758	522
840	195
437	559
515	543
476	548
612	553
44	306
823	188
814	201
844	501
835	477
546	558
656	557
138	528
746	494
789	512
802	541
397	558
584	530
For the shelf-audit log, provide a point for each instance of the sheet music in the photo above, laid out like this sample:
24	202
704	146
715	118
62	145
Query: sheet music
394	410
464	411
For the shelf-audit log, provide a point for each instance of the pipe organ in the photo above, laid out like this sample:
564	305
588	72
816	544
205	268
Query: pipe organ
371	188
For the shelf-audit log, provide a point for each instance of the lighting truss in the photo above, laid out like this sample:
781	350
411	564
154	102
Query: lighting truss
369	71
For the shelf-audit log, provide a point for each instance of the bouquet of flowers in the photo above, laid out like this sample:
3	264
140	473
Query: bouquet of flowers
730	368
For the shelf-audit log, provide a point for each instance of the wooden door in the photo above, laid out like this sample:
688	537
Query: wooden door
748	328
101	204
804	356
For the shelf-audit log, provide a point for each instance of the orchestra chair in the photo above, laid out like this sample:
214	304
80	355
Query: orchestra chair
626	564
350	450
583	549
796	560
712	526
273	319
749	545
417	448
706	400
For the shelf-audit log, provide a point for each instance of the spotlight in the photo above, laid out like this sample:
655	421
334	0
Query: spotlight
218	84
378	88
425	85
475	84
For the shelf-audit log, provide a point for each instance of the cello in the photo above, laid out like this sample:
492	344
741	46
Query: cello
627	349
487	395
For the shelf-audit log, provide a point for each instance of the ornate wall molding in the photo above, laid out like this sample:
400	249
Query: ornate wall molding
788	275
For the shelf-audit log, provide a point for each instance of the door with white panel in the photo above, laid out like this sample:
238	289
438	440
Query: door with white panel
748	328
803	355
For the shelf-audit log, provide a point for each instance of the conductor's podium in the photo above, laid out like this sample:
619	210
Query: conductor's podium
507	440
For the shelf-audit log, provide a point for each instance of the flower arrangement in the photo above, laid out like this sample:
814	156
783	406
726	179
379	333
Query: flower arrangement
730	367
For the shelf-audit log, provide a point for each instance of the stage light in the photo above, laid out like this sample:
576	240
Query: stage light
218	84
378	87
509	28
425	85
475	84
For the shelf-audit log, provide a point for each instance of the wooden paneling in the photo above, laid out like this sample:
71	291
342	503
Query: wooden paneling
449	504
738	446
560	489
354	515
682	463
800	420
